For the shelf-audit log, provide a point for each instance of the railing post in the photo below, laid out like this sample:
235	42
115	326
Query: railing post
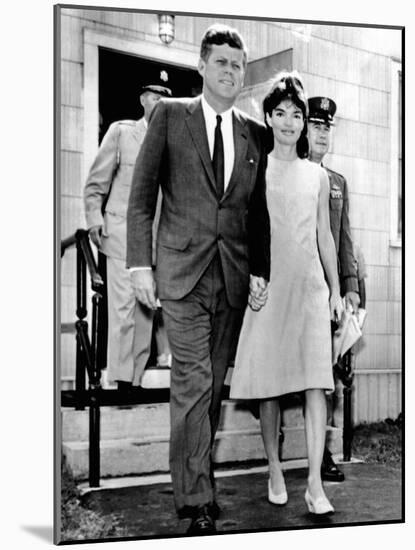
94	409
347	379
102	323
81	325
94	441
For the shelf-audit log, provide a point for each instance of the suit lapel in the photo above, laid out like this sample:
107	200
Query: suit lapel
240	138
196	123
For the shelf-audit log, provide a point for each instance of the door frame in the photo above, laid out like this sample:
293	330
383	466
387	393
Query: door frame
177	54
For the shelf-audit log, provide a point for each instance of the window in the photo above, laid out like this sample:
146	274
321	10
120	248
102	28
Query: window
396	153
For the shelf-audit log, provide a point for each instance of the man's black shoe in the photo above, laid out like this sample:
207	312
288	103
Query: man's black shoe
190	511
329	470
202	522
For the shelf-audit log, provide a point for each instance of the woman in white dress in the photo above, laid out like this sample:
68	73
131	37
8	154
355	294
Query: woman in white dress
285	347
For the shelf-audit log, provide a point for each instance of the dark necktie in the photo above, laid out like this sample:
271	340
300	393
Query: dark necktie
218	160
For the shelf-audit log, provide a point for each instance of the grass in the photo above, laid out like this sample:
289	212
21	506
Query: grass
78	522
376	443
379	443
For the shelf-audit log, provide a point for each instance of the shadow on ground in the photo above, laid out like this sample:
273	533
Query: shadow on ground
371	493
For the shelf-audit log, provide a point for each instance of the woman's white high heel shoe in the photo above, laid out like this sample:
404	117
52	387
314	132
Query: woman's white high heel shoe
280	499
319	505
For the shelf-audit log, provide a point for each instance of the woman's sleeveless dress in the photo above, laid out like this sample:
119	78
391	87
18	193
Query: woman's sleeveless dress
286	346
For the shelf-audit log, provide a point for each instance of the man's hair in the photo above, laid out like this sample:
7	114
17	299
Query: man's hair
287	85
222	34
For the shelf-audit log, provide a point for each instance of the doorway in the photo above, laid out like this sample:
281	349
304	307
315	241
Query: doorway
121	77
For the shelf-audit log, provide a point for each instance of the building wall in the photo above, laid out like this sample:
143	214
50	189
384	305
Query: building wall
351	65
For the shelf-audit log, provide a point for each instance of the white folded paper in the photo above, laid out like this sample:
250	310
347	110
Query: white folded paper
347	334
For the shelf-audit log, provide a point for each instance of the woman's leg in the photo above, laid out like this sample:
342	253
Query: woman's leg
270	418
315	431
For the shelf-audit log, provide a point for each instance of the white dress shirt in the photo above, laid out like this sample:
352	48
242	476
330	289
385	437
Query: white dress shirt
227	136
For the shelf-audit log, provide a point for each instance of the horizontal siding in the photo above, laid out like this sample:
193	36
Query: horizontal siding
383	317
71	37
71	84
395	256
71	183
376	397
377	282
74	217
374	244
373	106
68	267
363	176
361	140
369	212
395	284
68	356
379	351
72	120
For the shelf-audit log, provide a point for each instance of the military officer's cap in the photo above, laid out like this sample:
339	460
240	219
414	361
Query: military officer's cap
158	85
156	89
321	109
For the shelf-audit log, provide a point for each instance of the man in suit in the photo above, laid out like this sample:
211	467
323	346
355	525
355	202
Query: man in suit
320	123
107	188
212	251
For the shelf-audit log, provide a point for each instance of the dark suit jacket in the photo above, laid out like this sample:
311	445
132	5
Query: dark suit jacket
194	223
340	228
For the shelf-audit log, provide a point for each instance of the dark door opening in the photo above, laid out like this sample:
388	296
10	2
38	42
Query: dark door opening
121	76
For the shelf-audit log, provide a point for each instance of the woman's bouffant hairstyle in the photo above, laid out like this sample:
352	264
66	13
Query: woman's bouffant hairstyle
287	85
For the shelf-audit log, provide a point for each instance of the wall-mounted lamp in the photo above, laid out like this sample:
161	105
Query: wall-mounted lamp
166	28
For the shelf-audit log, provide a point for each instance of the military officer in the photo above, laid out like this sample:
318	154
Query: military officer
320	125
106	195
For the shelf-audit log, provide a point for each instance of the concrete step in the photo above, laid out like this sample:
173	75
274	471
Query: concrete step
122	457
135	441
153	420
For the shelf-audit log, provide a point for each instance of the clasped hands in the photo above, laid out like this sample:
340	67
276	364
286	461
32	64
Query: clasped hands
258	292
144	286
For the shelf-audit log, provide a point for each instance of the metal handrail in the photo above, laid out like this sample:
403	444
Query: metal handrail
81	236
87	355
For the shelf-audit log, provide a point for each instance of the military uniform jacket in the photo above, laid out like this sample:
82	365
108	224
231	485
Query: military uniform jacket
195	223
340	228
109	183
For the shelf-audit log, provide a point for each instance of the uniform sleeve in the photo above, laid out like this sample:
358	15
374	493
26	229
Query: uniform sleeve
98	183
361	264
348	271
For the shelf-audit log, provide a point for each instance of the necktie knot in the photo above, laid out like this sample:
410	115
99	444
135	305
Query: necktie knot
218	120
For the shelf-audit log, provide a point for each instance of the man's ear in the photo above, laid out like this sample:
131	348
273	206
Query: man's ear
142	100
201	67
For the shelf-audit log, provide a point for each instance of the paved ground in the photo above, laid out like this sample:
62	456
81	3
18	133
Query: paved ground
371	493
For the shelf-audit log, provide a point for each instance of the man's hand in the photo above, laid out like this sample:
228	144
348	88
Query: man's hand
142	281
258	292
353	299
336	307
95	234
